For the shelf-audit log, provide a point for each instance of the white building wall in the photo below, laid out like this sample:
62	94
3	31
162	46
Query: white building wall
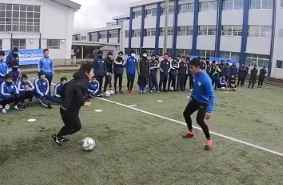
56	22
278	44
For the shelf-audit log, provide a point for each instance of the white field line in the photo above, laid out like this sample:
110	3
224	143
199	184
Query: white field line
184	124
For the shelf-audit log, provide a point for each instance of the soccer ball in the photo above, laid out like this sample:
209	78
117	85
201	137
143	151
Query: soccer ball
88	144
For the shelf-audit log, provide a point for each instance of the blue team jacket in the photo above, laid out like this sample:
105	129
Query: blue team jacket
45	66
93	87
8	90
131	65
203	90
59	90
3	69
41	87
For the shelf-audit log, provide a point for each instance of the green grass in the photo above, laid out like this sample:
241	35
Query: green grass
135	148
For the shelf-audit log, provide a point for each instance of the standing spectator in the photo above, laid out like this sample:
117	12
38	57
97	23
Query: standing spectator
13	58
253	77
182	74
131	68
173	71
153	67
109	71
46	67
118	72
242	75
262	74
3	67
99	68
16	74
143	72
164	72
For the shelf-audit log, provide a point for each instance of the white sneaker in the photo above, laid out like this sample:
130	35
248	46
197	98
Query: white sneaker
4	111
16	107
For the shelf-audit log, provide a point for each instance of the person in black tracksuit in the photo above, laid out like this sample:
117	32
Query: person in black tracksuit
99	68
164	72
118	72
143	73
241	75
109	71
262	74
153	67
182	75
74	97
253	77
173	71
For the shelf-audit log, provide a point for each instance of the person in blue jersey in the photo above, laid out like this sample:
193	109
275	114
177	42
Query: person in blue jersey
131	68
42	90
59	91
153	67
202	100
26	90
9	94
46	66
99	68
93	87
164	72
13	58
3	67
118	72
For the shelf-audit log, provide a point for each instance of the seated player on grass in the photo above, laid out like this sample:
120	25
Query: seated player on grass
9	95
59	91
26	90
233	84
42	90
93	87
223	83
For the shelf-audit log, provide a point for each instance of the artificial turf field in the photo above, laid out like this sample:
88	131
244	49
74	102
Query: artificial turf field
134	148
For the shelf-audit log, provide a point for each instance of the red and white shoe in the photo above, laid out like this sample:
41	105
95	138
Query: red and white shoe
209	145
189	135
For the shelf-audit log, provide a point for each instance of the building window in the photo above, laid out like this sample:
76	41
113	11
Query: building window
113	34
207	30
149	32
281	3
53	43
19	43
206	53
207	5
259	60
234	30
150	11
94	36
126	33
170	10
19	18
230	55
279	64
103	35
169	31
136	33
260	31
185	30
137	13
232	4
261	4
186	7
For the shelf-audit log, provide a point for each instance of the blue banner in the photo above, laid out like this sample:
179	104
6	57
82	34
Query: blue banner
28	56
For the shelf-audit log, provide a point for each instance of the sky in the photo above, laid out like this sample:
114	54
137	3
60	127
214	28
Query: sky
95	13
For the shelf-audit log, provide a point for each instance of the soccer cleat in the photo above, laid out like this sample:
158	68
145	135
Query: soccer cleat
208	145
189	135
63	139
57	140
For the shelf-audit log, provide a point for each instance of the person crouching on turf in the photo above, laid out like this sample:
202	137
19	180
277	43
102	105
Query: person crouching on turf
202	100
59	91
222	83
26	90
42	90
232	83
93	87
75	96
9	95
